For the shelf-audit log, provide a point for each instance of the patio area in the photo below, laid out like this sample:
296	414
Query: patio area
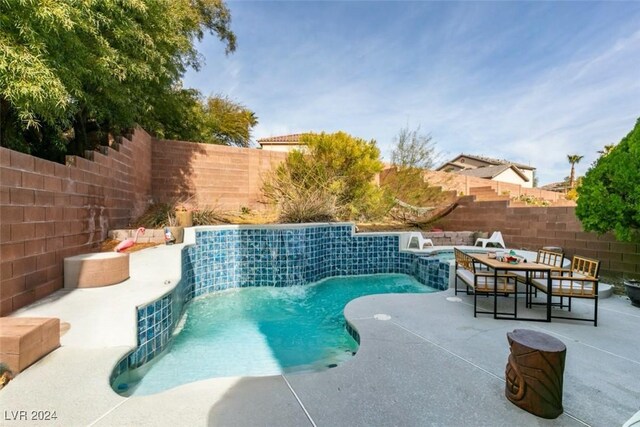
430	363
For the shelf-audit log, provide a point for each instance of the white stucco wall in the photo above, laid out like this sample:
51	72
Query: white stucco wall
528	174
284	148
512	177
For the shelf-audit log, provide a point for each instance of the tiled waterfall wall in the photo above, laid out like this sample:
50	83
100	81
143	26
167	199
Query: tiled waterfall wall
231	257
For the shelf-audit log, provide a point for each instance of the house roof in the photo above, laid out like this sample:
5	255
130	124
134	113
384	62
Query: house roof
450	164
293	139
488	160
491	172
560	186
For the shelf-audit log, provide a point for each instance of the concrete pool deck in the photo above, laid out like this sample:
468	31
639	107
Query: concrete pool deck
431	363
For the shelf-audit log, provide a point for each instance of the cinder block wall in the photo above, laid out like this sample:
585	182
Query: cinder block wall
535	227
217	176
49	211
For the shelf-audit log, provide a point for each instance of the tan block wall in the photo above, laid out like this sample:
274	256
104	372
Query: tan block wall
534	227
49	211
214	175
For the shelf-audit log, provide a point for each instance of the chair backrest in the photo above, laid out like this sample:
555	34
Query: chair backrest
497	237
414	237
554	259
585	266
463	260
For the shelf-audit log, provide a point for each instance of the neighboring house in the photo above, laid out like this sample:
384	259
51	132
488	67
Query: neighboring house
488	168
284	143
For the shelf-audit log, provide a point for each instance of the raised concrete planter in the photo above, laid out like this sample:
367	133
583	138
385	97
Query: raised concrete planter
96	270
24	340
150	235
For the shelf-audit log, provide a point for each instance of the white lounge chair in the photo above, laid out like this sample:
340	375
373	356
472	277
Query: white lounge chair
417	241
495	239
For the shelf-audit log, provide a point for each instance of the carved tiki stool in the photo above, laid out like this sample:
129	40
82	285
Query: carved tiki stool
534	372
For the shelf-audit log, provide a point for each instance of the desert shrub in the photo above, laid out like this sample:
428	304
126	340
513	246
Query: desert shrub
160	215
331	179
300	194
207	216
409	186
609	196
156	216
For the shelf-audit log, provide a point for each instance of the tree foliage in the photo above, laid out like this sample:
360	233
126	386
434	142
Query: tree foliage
69	68
333	168
213	120
413	150
227	122
573	159
609	197
412	154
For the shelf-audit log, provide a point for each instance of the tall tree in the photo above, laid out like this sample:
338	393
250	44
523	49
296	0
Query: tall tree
413	149
227	122
412	154
610	191
573	159
80	67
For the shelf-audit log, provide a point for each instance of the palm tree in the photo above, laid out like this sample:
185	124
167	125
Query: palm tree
573	159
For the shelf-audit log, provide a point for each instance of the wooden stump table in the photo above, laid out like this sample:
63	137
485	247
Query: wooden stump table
535	372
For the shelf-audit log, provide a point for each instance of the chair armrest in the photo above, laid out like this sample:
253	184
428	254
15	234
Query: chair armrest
574	279
561	271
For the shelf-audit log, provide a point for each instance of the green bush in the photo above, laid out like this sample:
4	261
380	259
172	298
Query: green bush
609	196
332	178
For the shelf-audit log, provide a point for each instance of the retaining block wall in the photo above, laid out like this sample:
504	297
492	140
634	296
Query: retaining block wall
463	184
49	211
217	176
534	227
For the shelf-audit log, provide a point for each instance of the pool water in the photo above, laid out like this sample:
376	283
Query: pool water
450	255
261	331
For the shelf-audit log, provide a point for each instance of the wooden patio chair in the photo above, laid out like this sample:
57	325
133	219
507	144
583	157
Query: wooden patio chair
579	281
545	257
483	282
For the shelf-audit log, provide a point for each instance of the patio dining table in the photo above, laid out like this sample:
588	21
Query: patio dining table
506	267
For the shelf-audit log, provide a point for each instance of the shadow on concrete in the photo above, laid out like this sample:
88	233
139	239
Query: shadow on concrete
260	401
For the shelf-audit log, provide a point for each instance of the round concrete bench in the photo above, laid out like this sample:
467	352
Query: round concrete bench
95	270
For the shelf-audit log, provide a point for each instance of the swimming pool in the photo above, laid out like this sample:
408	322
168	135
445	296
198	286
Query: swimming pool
263	331
223	258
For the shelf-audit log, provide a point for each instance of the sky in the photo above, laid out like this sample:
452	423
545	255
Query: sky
530	82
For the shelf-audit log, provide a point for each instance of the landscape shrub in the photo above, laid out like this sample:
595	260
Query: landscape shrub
332	178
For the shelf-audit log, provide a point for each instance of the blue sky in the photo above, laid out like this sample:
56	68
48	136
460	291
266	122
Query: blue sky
527	81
